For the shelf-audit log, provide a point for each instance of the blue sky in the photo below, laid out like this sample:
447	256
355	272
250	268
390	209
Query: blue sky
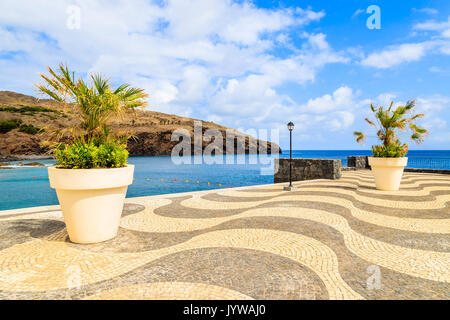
251	65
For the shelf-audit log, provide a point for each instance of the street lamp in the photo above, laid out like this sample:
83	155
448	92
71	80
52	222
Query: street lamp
290	127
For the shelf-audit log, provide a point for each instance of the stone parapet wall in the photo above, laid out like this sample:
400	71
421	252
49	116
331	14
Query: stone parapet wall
307	169
359	162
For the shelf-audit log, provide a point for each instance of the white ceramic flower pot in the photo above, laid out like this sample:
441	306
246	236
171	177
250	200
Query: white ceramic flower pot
388	172
91	200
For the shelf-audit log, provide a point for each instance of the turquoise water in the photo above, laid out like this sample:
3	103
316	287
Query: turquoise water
28	187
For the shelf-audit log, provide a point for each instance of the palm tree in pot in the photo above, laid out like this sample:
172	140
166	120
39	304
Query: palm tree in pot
389	159
91	175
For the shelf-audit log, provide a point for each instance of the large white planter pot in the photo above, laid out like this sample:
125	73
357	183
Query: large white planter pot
91	200
388	172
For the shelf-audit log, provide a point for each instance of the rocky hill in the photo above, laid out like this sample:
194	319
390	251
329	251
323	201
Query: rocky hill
22	117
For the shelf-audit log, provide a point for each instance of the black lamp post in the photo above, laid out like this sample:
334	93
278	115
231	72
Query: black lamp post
290	126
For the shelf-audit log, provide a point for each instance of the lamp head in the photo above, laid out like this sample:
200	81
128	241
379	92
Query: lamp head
290	126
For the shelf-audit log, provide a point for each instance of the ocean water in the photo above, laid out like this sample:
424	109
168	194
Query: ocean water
29	186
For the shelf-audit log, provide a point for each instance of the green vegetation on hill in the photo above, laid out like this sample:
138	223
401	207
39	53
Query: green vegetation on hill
28	110
30	129
8	125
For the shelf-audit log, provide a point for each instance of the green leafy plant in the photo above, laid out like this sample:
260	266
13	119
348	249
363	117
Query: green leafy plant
389	123
92	142
88	155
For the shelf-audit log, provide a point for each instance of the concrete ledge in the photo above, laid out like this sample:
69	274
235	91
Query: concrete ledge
437	171
307	169
362	162
350	169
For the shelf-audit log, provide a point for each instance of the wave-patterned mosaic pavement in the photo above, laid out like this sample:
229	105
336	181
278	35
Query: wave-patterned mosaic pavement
328	240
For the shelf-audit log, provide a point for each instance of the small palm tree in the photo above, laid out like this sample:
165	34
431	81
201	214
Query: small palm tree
389	122
97	103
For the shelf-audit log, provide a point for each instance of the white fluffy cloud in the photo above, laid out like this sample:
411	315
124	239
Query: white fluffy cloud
335	111
395	55
341	98
358	12
205	58
220	60
426	10
409	52
433	25
443	30
434	107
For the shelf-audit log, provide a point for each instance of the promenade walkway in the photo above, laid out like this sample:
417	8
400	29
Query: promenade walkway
337	239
